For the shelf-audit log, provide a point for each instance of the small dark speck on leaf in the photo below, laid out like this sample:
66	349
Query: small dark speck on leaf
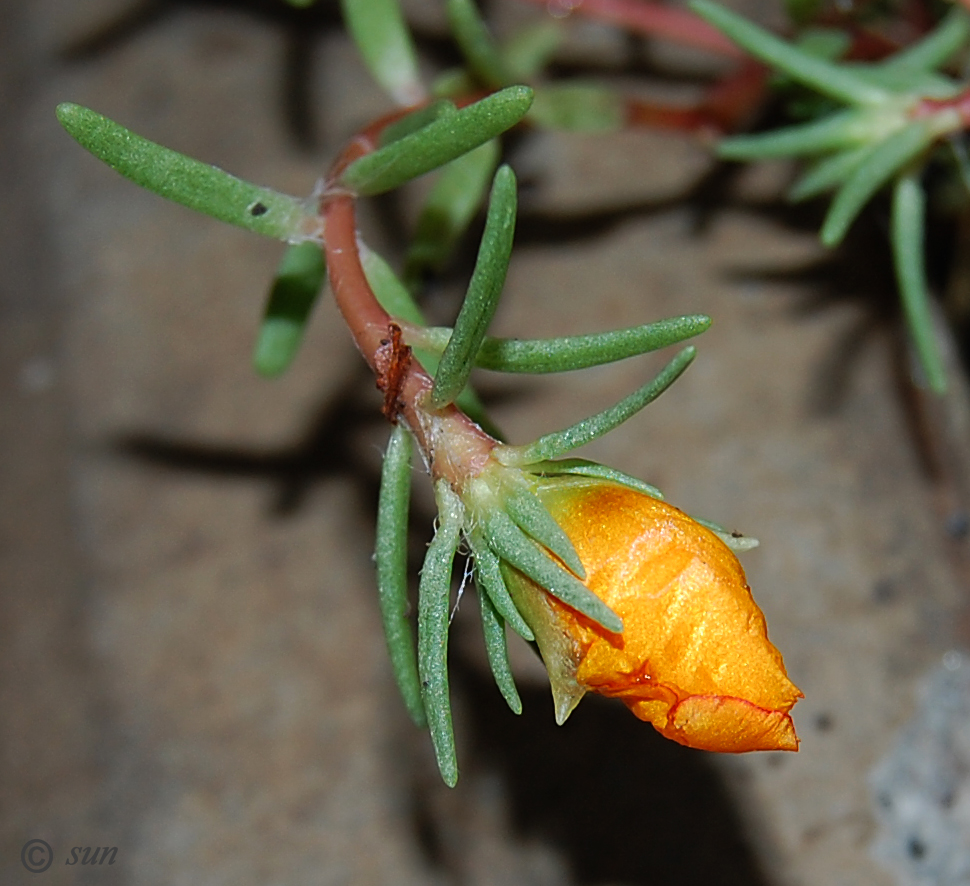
257	209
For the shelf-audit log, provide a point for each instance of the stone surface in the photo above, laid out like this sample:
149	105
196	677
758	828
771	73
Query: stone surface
192	666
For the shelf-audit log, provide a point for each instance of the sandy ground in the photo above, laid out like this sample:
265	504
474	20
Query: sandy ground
191	664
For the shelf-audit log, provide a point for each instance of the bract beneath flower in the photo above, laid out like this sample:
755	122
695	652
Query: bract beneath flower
694	657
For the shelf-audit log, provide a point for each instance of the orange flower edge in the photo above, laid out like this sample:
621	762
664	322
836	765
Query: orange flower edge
694	658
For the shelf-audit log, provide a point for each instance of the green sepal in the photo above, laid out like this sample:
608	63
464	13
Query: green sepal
476	44
384	41
888	158
496	647
437	143
828	173
581	467
451	204
578	107
488	577
296	288
559	443
514	547
416	120
394	297
908	226
532	517
434	592
544	355
835	81
190	182
843	129
391	559
484	291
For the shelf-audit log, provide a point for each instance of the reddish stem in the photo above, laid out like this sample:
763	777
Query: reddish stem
652	19
454	447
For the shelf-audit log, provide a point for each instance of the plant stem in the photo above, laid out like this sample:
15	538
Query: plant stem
454	447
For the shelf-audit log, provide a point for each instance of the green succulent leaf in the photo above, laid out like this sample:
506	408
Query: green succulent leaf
437	143
194	184
581	467
829	173
530	49
434	592
544	355
394	297
843	129
476	43
936	47
892	155
391	558
531	516
496	647
908	225
384	41
737	543
835	81
514	547
578	107
416	120
449	208
488	577
298	283
559	443
483	294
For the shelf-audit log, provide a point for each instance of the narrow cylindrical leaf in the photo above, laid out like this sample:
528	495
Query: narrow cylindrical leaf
437	143
496	647
829	173
483	294
416	120
532	47
909	210
840	130
395	298
391	558
384	40
543	355
433	596
578	107
835	81
892	155
937	46
530	515
582	351
192	183
514	547
476	43
560	442
582	467
449	208
295	291
488	576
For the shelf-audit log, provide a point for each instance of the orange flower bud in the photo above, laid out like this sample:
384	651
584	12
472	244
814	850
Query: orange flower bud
694	657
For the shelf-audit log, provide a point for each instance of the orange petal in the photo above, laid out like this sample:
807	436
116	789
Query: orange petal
694	657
